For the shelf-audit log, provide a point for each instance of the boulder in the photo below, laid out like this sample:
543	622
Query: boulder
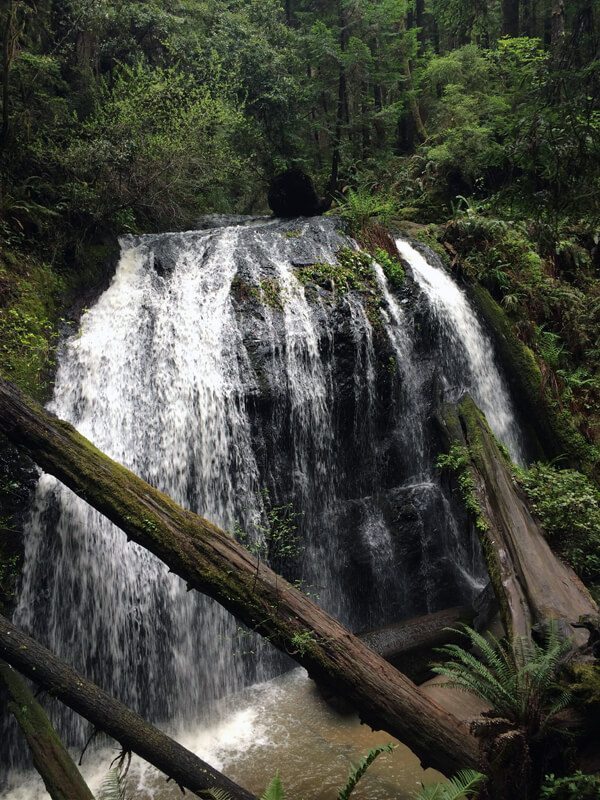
292	194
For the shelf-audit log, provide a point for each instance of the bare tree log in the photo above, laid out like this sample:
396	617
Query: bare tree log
532	585
62	779
109	715
212	562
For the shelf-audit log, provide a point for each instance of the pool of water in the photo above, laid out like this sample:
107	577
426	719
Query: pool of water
282	725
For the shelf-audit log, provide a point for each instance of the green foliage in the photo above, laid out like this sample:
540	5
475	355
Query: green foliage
458	461
518	681
466	783
274	790
353	270
113	785
361	206
302	641
359	770
551	297
392	268
276	539
571	787
568	506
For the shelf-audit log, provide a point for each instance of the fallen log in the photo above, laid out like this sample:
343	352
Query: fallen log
410	644
213	563
110	716
532	585
62	779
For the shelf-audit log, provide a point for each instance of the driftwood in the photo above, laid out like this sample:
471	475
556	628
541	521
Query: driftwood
110	716
532	585
62	779
212	562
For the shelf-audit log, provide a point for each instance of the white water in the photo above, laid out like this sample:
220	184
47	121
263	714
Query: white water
453	311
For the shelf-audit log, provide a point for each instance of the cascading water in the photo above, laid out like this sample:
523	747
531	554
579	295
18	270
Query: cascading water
210	369
468	362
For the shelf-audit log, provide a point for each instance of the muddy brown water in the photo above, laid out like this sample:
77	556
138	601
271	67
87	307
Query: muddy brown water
283	725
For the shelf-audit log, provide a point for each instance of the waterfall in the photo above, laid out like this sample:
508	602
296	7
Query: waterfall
467	352
213	371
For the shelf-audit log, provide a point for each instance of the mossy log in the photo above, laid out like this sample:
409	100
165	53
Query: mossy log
110	716
212	562
532	585
62	779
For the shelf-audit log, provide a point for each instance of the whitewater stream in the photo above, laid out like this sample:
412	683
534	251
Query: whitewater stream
213	369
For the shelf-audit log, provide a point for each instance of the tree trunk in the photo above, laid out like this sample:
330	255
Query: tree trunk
7	58
62	779
529	17
109	715
412	102
342	106
420	21
532	585
557	25
510	17
212	562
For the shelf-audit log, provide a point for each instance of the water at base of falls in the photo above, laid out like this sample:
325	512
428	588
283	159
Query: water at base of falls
261	732
214	372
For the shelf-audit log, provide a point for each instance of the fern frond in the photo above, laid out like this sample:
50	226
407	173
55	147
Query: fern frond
112	786
216	794
274	790
466	783
357	772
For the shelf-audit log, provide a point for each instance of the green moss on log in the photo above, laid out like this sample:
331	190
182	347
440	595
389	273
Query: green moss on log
57	769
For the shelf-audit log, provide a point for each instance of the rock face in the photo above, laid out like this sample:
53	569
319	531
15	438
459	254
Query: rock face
292	194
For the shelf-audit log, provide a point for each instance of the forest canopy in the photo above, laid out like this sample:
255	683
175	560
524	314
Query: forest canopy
141	115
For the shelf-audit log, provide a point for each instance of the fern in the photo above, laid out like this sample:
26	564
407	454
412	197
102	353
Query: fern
358	771
216	794
519	682
113	785
464	784
274	790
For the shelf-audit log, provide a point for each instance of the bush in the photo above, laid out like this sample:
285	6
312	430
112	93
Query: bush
573	787
568	505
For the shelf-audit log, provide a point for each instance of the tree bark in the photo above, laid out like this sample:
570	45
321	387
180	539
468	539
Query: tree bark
8	43
342	105
557	25
109	715
62	779
510	17
212	562
532	585
412	102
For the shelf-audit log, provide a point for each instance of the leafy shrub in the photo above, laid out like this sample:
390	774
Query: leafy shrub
392	268
573	787
568	505
361	206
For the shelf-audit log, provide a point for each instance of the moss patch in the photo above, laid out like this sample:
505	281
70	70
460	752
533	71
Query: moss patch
29	314
458	460
353	269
